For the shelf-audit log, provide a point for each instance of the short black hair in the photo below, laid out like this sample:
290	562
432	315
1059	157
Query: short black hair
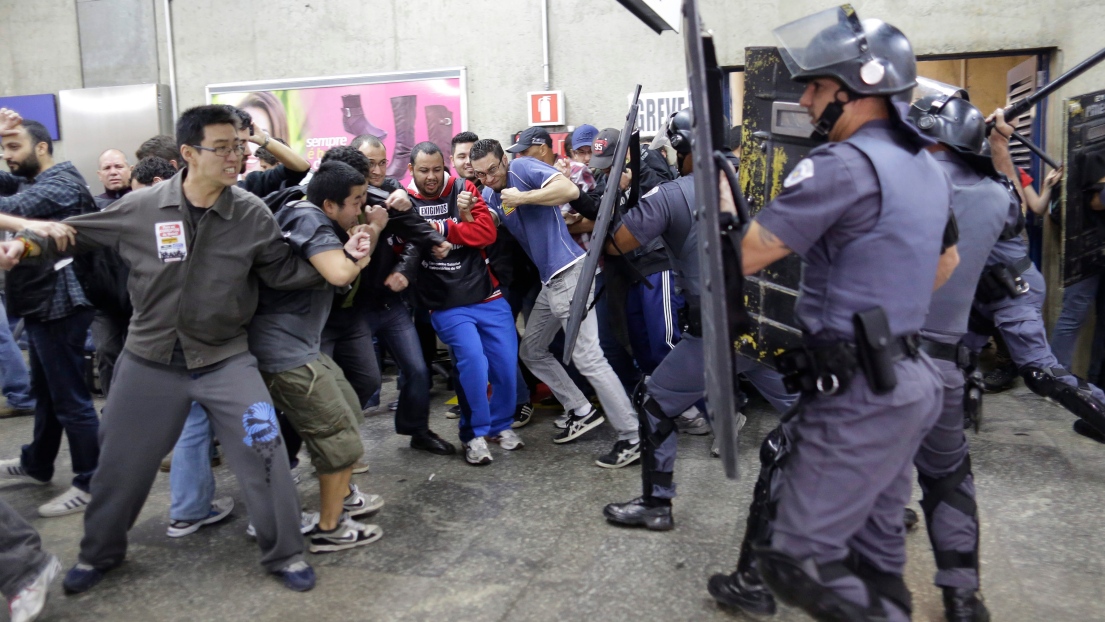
348	155
482	148
39	134
369	139
332	181
191	124
427	148
462	138
150	167
162	146
266	156
245	120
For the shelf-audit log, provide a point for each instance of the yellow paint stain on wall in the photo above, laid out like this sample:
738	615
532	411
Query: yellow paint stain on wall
778	163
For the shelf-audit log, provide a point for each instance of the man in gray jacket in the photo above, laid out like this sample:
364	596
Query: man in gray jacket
197	247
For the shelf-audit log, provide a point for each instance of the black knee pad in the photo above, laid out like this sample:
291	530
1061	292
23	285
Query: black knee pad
761	512
801	583
653	434
945	490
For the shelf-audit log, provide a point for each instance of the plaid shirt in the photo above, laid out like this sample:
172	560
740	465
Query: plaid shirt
49	197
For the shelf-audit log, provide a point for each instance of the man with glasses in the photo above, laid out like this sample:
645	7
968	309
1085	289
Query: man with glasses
528	193
197	246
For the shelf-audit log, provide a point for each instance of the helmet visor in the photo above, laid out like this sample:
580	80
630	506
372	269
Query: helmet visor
820	40
931	95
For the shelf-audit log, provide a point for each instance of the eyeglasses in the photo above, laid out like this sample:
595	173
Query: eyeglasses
491	171
378	163
222	152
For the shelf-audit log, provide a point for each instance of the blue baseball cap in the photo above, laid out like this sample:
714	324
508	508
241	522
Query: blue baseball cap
583	136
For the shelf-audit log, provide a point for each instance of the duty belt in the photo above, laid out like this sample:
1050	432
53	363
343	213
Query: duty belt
828	369
956	353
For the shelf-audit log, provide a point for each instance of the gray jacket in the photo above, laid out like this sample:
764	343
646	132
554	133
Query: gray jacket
207	298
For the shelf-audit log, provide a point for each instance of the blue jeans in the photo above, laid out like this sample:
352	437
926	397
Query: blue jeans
393	325
485	343
16	380
191	482
1078	299
63	402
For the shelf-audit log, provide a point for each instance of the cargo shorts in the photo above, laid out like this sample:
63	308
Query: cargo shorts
323	408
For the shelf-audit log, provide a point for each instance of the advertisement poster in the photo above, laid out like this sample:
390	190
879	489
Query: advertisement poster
313	115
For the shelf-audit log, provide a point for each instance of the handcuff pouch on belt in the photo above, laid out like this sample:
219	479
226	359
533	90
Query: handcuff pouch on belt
690	319
829	369
1001	281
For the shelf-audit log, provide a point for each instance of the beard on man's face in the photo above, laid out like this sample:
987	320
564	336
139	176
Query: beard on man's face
29	168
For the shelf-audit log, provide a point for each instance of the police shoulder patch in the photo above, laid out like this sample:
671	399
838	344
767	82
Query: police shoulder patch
801	173
654	190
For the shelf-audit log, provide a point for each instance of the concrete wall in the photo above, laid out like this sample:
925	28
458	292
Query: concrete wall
598	50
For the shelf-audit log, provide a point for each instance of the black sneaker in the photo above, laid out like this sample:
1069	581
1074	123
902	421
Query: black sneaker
624	453
578	426
738	590
522	415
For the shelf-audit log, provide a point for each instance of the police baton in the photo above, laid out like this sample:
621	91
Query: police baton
1026	104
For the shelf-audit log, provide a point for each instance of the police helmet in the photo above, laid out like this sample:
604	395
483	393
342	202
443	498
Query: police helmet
679	131
869	57
945	114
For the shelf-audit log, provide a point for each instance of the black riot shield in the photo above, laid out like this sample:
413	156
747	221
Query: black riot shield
723	313
1083	243
776	136
602	228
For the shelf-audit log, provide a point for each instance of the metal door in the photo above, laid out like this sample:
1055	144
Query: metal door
1083	244
776	136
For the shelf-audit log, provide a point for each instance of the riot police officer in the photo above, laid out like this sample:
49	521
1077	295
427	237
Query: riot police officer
981	201
1010	299
678	381
869	215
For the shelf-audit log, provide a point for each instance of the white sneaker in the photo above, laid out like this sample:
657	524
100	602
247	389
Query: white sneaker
307	522
508	439
476	452
349	534
28	603
69	502
12	471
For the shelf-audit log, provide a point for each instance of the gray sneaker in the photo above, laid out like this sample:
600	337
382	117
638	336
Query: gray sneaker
695	426
715	449
476	452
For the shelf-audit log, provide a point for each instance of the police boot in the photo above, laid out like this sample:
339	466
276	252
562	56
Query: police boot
743	590
353	119
964	605
649	512
1087	430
